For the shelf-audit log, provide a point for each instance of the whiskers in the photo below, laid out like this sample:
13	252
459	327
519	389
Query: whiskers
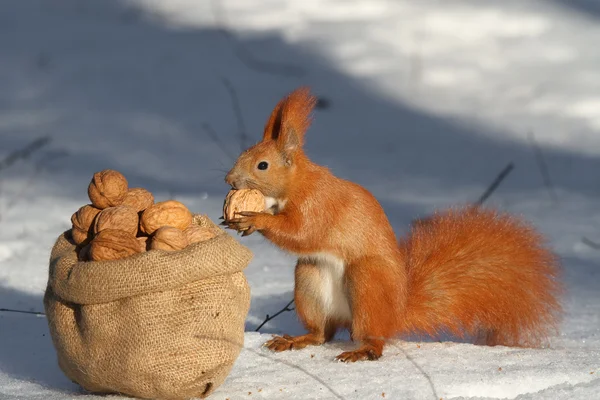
222	171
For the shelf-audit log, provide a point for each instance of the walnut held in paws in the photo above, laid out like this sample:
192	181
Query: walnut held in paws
166	213
113	244
107	189
138	198
83	221
242	200
169	239
195	234
123	218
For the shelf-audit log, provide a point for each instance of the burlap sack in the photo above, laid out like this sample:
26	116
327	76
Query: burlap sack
159	325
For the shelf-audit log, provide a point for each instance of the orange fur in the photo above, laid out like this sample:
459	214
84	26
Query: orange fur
291	114
477	272
467	272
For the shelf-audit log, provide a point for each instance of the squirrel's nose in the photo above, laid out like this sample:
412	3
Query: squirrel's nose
230	179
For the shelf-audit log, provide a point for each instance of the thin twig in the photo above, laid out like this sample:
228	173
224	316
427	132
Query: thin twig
592	244
237	110
24	153
539	156
284	309
501	176
245	56
212	135
22	311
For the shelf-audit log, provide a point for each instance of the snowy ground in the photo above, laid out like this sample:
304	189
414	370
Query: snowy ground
426	102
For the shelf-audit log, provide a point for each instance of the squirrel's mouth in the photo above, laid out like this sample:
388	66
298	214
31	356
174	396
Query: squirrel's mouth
235	181
238	184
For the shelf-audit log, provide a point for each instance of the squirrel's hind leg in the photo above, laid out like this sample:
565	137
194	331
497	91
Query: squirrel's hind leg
310	310
378	292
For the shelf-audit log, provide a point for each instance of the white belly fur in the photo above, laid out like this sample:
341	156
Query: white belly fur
332	291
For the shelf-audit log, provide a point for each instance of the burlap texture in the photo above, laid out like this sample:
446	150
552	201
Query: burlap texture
158	325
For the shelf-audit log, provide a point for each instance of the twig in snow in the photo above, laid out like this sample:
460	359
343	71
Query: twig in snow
22	311
539	156
24	153
270	317
245	56
592	244
322	103
237	110
495	183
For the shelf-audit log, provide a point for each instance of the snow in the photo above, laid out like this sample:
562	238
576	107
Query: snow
427	102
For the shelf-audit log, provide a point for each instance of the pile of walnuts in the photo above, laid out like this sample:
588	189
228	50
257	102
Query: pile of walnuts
122	222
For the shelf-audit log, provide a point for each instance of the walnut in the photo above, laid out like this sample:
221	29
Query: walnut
138	198
143	241
123	218
242	200
113	244
165	213
107	189
168	238
195	234
83	221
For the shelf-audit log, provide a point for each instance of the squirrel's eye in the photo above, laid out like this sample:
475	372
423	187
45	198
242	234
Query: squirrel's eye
263	165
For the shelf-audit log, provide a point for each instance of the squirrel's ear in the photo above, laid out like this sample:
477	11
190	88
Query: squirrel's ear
273	125
290	120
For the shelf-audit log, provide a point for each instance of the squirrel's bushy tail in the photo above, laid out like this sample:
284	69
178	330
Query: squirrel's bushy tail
476	273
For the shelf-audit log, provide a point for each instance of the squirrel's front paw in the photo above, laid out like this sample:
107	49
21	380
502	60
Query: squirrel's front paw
248	223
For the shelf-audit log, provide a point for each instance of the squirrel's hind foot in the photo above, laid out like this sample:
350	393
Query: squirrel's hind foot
287	342
368	351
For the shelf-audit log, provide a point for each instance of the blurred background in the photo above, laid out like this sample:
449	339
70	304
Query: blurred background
424	103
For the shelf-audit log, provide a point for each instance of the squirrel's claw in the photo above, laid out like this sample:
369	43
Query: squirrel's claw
249	213
249	231
245	225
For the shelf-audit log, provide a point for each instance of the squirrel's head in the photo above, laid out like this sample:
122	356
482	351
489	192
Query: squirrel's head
270	165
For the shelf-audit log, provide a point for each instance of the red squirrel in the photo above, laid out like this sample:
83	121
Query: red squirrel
470	272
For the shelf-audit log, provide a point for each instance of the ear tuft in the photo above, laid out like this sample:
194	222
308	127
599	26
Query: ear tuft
296	113
273	125
291	118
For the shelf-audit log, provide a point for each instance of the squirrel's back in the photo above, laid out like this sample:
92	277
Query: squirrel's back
476	273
